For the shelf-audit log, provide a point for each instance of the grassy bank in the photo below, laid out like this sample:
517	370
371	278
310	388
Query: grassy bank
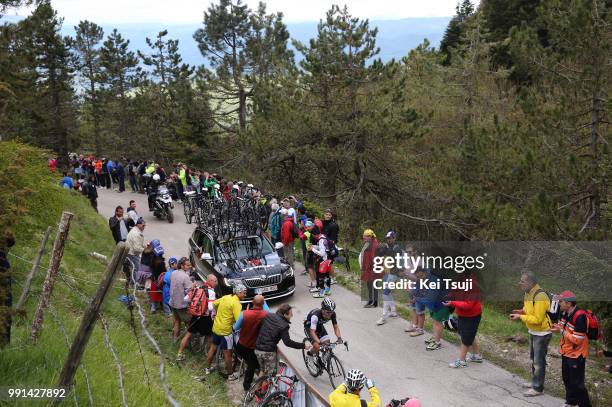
32	200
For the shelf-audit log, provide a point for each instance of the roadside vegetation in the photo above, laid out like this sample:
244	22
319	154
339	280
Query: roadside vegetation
32	200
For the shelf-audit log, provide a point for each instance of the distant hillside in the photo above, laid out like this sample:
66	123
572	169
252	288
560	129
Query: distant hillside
395	37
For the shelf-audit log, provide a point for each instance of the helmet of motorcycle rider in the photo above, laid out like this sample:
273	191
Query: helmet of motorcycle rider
156	177
354	380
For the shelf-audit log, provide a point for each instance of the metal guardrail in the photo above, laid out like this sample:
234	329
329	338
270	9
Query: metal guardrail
311	396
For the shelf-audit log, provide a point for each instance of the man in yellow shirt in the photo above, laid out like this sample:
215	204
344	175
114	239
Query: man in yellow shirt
347	394
228	310
535	316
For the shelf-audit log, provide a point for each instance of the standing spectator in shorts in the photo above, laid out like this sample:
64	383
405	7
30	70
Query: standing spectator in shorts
274	328
390	249
432	299
180	284
415	328
534	315
368	252
468	309
201	324
248	324
228	310
573	327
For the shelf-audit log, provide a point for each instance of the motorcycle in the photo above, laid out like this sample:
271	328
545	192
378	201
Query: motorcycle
163	204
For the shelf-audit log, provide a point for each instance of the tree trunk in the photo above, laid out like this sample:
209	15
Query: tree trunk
52	272
35	265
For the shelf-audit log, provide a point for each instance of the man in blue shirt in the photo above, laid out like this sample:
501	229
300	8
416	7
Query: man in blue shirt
67	181
173	263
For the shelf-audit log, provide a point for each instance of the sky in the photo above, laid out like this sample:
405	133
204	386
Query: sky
191	11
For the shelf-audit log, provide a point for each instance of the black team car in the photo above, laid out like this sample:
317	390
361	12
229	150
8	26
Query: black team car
249	259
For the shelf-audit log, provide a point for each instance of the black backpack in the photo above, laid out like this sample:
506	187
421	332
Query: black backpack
553	311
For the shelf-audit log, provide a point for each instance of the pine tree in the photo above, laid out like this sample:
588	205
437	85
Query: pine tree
121	74
169	88
243	49
54	69
86	46
568	106
455	29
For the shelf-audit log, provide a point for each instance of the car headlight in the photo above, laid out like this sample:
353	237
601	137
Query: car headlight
228	282
288	272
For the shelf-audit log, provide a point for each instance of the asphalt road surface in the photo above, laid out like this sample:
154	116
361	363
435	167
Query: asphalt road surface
399	364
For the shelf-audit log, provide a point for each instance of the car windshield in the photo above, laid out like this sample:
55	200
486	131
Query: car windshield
244	248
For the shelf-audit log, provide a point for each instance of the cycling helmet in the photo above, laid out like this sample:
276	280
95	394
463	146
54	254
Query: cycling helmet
156	177
354	379
236	187
217	186
328	304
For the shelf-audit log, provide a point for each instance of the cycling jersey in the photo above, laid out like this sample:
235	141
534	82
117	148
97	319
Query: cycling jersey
315	321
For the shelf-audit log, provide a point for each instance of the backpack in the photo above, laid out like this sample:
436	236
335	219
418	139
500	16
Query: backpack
553	311
160	279
592	323
275	226
198	301
325	266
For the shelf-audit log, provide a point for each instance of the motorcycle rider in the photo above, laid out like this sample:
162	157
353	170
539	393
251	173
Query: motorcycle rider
152	191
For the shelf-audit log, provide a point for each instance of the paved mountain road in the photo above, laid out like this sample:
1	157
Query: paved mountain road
399	364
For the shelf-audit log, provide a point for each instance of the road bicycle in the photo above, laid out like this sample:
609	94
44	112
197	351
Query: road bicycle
325	361
266	390
238	364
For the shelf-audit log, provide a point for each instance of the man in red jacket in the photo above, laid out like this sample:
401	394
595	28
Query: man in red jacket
249	324
287	237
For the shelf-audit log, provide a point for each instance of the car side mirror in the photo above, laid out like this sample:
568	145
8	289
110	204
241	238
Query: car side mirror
206	256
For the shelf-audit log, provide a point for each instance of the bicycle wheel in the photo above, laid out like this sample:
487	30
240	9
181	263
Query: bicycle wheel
311	363
335	370
277	399
259	390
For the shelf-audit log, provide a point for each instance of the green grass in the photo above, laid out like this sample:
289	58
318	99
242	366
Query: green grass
25	364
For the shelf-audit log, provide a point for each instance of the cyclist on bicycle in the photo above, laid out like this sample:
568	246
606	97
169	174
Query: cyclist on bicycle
314	325
347	394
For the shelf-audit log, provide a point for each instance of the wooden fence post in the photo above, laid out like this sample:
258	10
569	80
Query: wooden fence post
89	318
28	282
54	265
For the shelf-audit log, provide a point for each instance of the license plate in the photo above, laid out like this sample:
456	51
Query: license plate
266	289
